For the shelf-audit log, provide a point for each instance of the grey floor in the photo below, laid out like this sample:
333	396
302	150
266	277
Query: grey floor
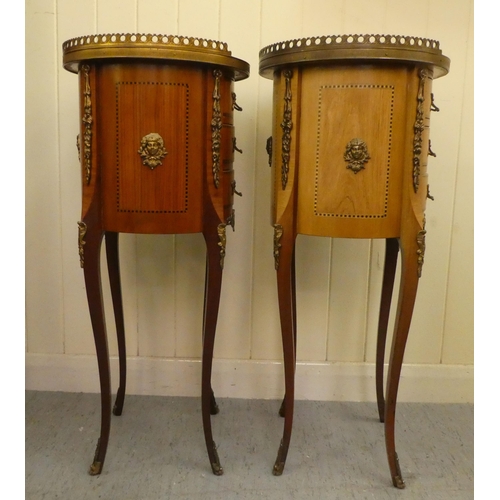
157	450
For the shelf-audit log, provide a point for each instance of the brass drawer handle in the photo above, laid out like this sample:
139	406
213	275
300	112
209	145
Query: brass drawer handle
230	221
269	149
236	148
356	155
152	150
431	153
235	105
433	106
233	188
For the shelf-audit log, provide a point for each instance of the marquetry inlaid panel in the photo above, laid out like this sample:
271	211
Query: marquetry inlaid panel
141	189
365	106
143	193
342	116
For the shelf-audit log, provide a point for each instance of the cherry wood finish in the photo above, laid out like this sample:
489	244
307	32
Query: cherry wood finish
187	188
318	108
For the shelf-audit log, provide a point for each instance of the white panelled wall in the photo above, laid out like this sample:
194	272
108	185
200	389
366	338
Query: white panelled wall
338	281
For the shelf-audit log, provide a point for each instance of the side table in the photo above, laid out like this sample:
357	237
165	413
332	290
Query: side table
156	146
349	148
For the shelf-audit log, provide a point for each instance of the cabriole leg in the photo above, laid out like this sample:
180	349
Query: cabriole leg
112	257
294	312
407	295
90	246
284	263
391	259
216	244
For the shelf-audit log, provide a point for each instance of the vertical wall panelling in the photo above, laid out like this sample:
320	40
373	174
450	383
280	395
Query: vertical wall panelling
116	16
403	17
374	295
155	254
313	282
400	17
109	22
73	19
155	295
325	17
377	252
190	254
349	293
338	280
362	16
458	346
425	340
234	327
199	19
44	293
158	16
280	20
350	258
266	336
313	259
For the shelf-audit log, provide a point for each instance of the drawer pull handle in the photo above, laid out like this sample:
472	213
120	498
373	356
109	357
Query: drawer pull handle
236	148
152	150
230	219
235	105
356	155
431	153
429	194
269	149
233	187
433	106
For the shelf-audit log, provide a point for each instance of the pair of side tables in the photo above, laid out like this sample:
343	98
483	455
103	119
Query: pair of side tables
348	152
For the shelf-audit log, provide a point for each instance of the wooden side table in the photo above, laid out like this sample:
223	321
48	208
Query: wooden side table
156	146
349	151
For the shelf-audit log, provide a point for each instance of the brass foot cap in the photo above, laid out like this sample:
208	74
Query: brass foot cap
95	469
217	469
117	410
278	468
398	482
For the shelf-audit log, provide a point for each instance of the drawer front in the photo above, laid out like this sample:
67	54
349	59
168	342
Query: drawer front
152	148
352	145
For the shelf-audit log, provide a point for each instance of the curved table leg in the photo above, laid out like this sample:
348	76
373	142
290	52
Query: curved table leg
391	259
407	295
294	312
286	299
215	240
214	407
91	238
112	257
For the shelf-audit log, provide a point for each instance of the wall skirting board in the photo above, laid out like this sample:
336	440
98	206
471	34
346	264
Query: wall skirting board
250	379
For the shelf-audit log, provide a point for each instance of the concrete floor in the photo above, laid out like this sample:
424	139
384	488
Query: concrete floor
157	450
